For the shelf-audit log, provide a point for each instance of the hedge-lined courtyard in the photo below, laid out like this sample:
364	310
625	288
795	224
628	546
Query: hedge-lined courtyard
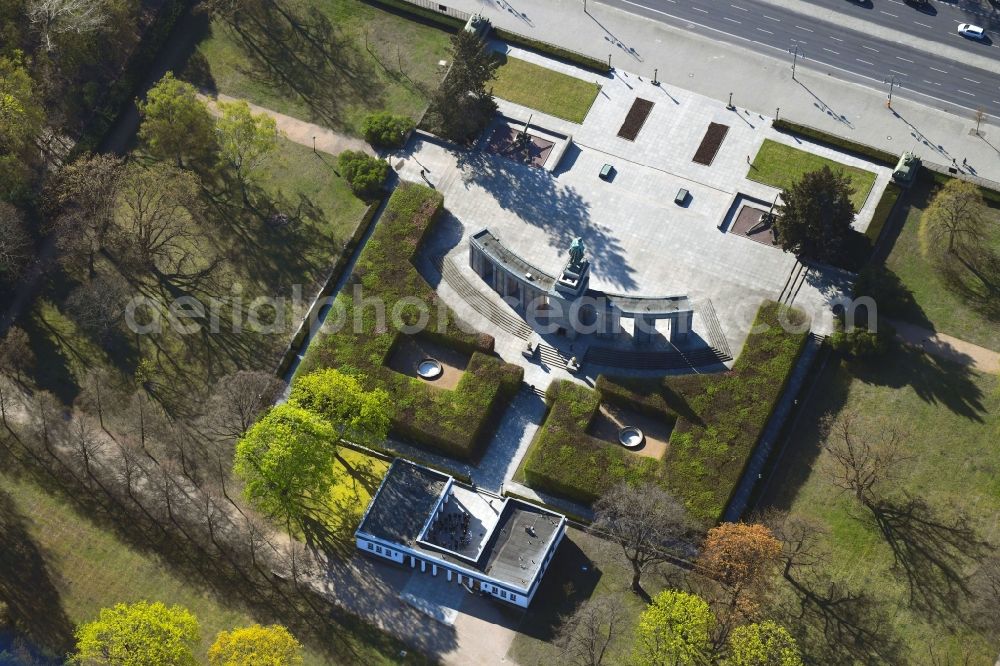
454	422
718	420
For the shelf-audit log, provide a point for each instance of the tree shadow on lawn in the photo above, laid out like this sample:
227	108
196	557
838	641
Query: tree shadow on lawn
27	585
570	580
934	379
306	57
974	274
537	198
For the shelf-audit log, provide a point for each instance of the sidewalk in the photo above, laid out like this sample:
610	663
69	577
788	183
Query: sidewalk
948	347
759	83
299	131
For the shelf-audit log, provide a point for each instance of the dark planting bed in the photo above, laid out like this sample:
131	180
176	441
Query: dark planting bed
635	118
710	143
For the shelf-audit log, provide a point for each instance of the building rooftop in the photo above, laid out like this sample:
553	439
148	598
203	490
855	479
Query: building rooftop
520	542
405	500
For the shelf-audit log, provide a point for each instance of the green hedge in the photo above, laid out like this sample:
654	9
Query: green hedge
876	154
718	420
457	423
882	211
593	64
427	16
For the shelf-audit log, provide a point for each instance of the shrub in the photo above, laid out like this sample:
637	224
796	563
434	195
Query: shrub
878	155
366	174
882	211
860	342
385	130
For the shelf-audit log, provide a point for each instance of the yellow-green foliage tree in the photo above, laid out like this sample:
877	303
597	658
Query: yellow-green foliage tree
358	415
954	219
675	630
763	644
176	125
138	634
245	140
255	646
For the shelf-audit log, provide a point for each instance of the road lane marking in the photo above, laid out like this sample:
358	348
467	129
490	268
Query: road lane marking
869	48
836	39
903	59
767	31
972	80
966	92
726	18
801	28
896	71
831	51
770	17
699	9
923	24
742	9
935	83
939	70
864	61
888	14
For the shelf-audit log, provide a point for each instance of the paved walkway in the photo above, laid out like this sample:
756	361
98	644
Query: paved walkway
299	131
948	347
758	82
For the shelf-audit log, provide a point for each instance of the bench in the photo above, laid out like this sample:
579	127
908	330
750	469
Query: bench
606	171
681	197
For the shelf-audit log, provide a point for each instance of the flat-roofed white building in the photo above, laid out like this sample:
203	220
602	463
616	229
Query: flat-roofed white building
500	546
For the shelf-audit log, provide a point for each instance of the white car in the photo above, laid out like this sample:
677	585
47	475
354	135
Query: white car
970	31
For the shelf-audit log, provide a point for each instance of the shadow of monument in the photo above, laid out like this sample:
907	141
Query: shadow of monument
536	197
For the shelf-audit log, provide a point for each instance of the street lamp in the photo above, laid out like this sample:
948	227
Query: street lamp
794	50
893	82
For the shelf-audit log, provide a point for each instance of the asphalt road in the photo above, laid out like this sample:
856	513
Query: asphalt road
936	20
923	77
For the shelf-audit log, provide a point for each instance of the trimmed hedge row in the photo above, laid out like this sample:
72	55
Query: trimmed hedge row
593	64
422	14
882	211
718	420
564	460
876	154
456	423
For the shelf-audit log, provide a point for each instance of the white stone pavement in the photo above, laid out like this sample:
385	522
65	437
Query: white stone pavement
760	83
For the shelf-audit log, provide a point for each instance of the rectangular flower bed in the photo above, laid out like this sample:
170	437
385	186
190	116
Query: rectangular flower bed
635	118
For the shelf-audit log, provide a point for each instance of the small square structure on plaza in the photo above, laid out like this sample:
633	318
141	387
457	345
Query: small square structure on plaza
495	545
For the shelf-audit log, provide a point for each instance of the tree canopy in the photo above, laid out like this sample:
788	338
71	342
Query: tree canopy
356	414
176	125
675	629
255	645
814	219
245	139
763	644
462	106
139	634
954	218
285	461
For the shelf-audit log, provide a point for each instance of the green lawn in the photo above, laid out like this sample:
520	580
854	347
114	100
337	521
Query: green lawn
781	166
343	60
356	478
912	288
254	259
951	418
550	92
585	567
67	568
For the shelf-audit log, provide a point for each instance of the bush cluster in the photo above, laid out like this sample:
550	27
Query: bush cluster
386	130
718	420
458	422
365	174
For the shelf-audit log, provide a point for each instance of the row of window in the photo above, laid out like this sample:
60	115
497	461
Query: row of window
378	549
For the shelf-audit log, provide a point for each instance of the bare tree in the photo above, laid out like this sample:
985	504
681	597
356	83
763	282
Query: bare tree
16	355
980	116
81	200
646	521
98	305
954	219
155	213
16	248
238	399
859	460
585	635
54	17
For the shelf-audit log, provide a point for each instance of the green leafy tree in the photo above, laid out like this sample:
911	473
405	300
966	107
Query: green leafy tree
763	644
366	174
674	630
255	646
21	114
285	462
462	106
176	125
138	634
955	217
814	220
359	415
245	140
386	130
